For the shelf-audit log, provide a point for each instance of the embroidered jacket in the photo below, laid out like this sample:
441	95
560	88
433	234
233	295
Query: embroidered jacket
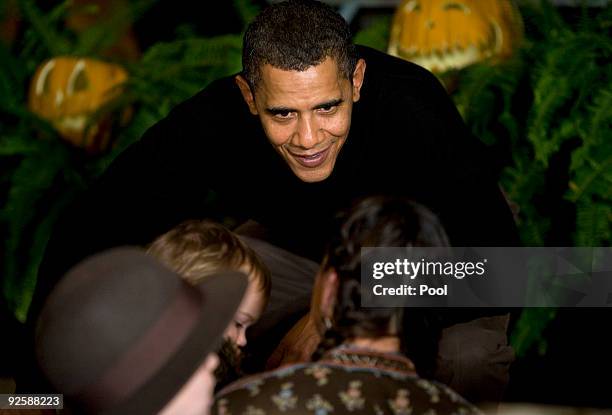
345	381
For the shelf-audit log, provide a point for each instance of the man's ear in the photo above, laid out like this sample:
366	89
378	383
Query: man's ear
246	92
358	77
329	291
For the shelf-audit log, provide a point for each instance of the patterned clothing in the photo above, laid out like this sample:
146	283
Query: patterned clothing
345	381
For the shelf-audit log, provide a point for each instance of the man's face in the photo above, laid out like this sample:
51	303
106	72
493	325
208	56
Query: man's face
306	115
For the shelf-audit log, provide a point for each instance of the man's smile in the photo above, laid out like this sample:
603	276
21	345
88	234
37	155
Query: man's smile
312	160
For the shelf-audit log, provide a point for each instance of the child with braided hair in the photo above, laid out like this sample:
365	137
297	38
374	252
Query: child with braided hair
361	365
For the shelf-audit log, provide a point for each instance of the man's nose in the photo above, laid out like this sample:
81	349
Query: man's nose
306	136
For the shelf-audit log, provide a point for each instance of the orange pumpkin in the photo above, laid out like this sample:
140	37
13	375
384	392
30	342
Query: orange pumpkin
441	35
68	91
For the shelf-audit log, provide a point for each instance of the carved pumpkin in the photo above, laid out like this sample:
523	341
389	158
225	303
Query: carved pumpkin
68	91
450	34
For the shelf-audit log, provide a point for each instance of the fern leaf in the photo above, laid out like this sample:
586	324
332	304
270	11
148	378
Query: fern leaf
376	34
247	11
53	40
29	181
108	31
593	224
529	328
12	145
27	283
591	166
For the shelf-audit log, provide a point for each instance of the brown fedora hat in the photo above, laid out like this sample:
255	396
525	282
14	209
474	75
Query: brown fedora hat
121	333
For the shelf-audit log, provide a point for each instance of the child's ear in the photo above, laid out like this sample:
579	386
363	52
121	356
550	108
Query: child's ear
329	291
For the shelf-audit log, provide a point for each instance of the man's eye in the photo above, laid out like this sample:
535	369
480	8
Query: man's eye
283	114
328	109
238	324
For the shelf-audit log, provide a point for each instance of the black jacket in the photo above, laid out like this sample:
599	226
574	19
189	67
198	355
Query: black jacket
210	158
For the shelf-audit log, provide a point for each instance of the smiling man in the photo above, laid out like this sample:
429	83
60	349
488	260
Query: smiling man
306	114
310	124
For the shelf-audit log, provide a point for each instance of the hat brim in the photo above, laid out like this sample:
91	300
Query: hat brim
222	294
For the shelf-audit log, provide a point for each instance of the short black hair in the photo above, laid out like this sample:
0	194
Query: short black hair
295	35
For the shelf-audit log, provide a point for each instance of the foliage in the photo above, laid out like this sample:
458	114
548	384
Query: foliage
546	115
376	34
551	102
551	105
40	174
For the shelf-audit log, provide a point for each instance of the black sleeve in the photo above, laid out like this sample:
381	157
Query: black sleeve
453	175
156	183
459	181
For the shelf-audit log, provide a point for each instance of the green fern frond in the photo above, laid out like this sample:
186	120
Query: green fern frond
551	92
541	19
593	224
565	81
12	78
247	11
594	177
523	180
601	113
485	98
108	31
591	166
29	182
43	25
195	51
529	328
17	145
22	297
376	35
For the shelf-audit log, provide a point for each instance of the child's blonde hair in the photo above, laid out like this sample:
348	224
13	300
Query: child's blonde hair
198	248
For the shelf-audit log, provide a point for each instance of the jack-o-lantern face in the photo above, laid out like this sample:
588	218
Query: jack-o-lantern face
67	91
451	34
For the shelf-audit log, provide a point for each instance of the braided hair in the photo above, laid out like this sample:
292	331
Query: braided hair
384	222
